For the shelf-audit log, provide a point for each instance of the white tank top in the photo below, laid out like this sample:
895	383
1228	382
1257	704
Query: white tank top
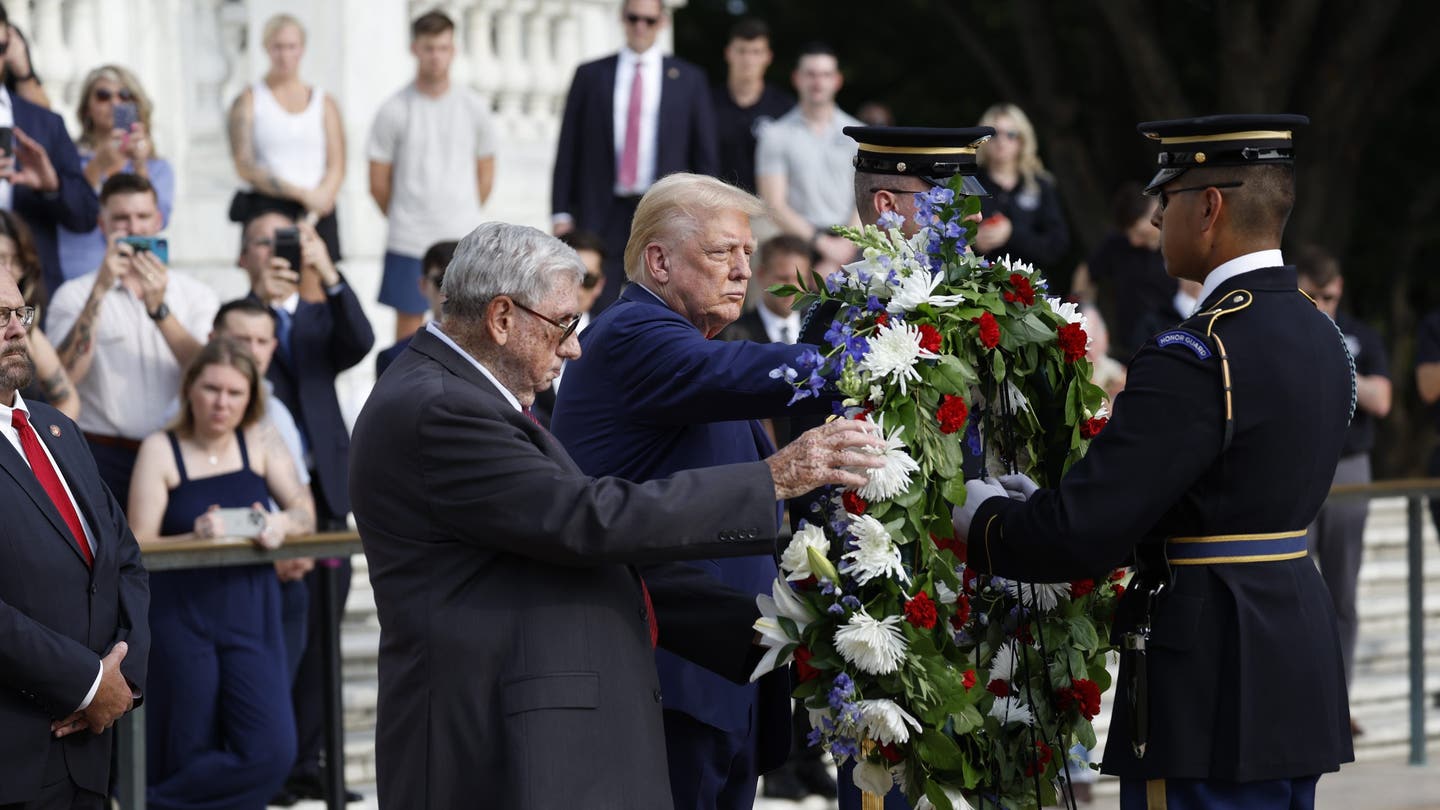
291	145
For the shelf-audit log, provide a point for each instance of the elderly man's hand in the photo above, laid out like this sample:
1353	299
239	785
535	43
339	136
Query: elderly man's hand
822	455
977	491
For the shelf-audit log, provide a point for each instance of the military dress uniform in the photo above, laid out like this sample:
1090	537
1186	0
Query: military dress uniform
1220	453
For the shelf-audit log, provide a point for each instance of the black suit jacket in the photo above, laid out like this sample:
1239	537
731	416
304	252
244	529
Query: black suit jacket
325	339
1245	674
515	656
58	618
74	205
585	165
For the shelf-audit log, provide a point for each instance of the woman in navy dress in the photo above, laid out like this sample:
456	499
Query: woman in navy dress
220	732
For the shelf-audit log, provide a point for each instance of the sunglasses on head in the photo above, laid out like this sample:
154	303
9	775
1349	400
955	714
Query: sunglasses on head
103	94
636	19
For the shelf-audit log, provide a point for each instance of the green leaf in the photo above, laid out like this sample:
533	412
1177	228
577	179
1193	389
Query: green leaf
936	794
1082	633
954	491
953	376
1085	734
939	750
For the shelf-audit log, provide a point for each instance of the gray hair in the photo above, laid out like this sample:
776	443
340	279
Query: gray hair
498	258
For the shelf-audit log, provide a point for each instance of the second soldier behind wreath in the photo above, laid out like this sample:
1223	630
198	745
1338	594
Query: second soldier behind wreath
1221	451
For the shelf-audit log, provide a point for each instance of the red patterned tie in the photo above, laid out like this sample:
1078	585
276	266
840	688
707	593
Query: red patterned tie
50	481
630	155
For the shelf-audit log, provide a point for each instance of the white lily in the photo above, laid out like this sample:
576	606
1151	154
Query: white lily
918	287
781	602
795	559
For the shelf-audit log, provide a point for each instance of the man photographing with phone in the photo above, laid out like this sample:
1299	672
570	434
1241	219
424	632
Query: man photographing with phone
129	328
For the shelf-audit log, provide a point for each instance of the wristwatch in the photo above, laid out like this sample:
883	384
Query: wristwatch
161	312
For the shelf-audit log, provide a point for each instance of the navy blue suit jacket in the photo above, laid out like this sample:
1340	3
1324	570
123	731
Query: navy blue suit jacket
74	205
650	396
585	164
58	618
326	338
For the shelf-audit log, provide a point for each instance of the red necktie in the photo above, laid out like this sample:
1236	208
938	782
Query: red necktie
50	481
630	155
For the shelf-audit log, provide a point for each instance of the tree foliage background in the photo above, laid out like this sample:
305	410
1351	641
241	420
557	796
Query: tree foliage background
1085	71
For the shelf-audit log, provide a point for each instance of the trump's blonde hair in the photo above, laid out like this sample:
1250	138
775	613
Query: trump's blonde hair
674	209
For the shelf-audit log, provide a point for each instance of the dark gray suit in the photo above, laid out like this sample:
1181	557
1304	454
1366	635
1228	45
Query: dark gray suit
516	668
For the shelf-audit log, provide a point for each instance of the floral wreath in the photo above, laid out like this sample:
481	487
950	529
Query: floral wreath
955	685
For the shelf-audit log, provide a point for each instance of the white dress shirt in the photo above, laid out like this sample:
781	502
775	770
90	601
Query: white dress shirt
780	330
1240	264
7	416
651	63
434	329
7	119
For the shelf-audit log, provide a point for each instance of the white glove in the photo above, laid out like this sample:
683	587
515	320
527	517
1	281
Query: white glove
977	491
1019	486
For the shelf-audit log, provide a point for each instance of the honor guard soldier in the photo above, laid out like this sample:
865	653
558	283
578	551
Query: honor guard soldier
893	164
1219	455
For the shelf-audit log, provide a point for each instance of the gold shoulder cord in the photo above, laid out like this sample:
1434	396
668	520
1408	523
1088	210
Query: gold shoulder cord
1233	303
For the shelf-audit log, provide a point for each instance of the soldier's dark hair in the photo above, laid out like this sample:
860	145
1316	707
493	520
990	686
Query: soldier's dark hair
1261	206
748	28
1128	205
438	256
1316	265
786	244
815	49
431	23
584	240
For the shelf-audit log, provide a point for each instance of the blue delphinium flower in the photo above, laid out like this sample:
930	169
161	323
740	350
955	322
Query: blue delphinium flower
972	436
889	220
849	600
837	333
790	374
856	348
873	304
836	609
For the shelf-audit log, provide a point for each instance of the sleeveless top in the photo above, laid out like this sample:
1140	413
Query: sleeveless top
192	496
291	145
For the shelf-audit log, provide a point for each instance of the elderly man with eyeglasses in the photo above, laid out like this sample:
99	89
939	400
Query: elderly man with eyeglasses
517	635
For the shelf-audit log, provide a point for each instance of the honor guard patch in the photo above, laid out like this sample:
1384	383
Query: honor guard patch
1183	338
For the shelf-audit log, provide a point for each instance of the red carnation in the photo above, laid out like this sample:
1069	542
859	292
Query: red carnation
891	754
968	679
1119	591
1117	575
952	414
1042	758
920	611
1073	341
1082	694
854	504
929	338
1024	294
1081	587
962	612
802	664
882	319
1091	428
998	688
989	331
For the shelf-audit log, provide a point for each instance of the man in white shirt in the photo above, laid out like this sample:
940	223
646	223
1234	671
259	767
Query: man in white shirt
130	327
425	140
630	119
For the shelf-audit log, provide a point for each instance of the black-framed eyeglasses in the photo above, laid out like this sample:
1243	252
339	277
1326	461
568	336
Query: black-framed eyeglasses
1164	195
636	19
27	316
567	328
104	94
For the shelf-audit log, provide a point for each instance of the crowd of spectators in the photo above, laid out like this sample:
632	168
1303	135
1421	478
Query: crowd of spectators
257	427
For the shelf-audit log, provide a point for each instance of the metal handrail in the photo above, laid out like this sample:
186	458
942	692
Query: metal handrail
227	551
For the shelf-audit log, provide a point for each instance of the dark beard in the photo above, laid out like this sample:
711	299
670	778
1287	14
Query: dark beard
15	374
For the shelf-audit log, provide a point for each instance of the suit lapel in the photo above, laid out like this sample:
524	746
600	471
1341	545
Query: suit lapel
14	464
606	91
668	119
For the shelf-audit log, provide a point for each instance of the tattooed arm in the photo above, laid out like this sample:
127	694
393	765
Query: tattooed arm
77	349
51	376
242	152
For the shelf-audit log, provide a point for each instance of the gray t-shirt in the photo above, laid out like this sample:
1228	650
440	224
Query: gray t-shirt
818	169
433	144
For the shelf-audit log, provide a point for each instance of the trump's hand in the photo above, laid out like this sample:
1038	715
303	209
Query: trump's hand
821	455
977	491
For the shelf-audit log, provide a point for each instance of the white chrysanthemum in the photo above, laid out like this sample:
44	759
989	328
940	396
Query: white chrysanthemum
1069	310
894	351
885	722
1018	265
795	561
884	483
875	554
944	595
1004	665
1048	595
918	287
873	777
1011	710
781	602
874	645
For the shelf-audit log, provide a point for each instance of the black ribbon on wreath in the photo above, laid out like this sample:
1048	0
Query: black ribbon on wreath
999	409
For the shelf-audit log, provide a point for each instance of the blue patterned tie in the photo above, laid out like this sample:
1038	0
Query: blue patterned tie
283	322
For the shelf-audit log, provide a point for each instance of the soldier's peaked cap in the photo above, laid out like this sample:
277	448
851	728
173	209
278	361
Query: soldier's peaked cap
1220	140
933	154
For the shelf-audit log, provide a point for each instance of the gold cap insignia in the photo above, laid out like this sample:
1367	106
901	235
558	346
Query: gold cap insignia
900	167
1199	157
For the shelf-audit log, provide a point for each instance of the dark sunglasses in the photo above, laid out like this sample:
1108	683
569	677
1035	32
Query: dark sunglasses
590	281
436	279
636	19
102	94
567	328
1165	195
